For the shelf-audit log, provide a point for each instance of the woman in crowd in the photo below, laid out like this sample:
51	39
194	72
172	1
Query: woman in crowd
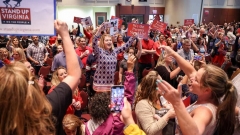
201	44
72	125
58	75
170	43
215	106
119	44
5	56
147	102
13	43
123	63
167	70
30	113
18	54
103	122
106	59
219	52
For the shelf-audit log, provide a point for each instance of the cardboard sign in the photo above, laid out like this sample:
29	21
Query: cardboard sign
77	19
120	21
157	25
114	26
188	22
140	29
86	21
23	17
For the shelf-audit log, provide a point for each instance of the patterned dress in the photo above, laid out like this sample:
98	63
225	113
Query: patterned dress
106	63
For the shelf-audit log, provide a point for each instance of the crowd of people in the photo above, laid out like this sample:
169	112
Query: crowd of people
175	82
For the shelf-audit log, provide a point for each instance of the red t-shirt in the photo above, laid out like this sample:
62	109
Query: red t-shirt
148	45
79	51
158	50
120	55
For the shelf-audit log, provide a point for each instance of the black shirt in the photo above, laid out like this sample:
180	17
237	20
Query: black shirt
60	98
165	74
3	42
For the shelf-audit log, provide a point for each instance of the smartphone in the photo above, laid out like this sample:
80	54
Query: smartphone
197	57
117	96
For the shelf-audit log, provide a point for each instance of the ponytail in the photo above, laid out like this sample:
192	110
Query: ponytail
226	111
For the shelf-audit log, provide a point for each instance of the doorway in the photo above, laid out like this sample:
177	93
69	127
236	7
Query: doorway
100	17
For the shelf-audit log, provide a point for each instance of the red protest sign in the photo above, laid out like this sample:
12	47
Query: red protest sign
77	19
238	30
188	22
120	21
157	25
140	29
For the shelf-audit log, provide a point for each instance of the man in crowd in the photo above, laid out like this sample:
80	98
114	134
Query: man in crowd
37	53
186	52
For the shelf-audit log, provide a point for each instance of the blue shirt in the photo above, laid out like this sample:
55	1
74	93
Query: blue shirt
60	60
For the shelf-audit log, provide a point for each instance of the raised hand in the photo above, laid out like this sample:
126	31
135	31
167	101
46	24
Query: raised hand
131	62
61	28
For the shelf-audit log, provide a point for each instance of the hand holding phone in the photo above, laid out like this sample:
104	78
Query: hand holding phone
117	96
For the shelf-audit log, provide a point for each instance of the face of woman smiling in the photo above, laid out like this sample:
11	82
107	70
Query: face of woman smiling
107	42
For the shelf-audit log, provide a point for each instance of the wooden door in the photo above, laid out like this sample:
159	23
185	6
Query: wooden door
100	17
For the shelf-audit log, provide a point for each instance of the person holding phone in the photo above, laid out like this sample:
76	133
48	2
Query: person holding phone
106	59
102	120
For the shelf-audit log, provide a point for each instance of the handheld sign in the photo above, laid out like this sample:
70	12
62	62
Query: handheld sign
188	22
120	21
140	29
157	25
77	19
86	21
114	26
27	17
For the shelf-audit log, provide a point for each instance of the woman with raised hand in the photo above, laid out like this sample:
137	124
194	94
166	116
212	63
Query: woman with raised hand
30	113
213	112
106	59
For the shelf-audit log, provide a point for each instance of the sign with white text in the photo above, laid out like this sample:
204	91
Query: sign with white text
114	26
188	22
140	29
27	17
157	25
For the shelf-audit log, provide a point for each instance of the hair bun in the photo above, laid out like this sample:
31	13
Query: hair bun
230	86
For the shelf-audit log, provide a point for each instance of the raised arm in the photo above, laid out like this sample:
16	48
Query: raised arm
187	68
95	39
74	71
139	46
130	80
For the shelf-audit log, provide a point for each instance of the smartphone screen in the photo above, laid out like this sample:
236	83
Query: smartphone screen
117	96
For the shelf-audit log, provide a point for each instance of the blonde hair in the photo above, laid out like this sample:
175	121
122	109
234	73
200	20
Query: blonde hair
55	81
72	122
147	88
21	53
101	44
5	50
28	112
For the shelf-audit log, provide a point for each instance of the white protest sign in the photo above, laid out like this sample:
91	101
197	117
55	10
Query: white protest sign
27	17
114	26
86	21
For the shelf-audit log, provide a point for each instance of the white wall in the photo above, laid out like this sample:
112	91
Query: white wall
67	13
178	10
151	3
221	3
